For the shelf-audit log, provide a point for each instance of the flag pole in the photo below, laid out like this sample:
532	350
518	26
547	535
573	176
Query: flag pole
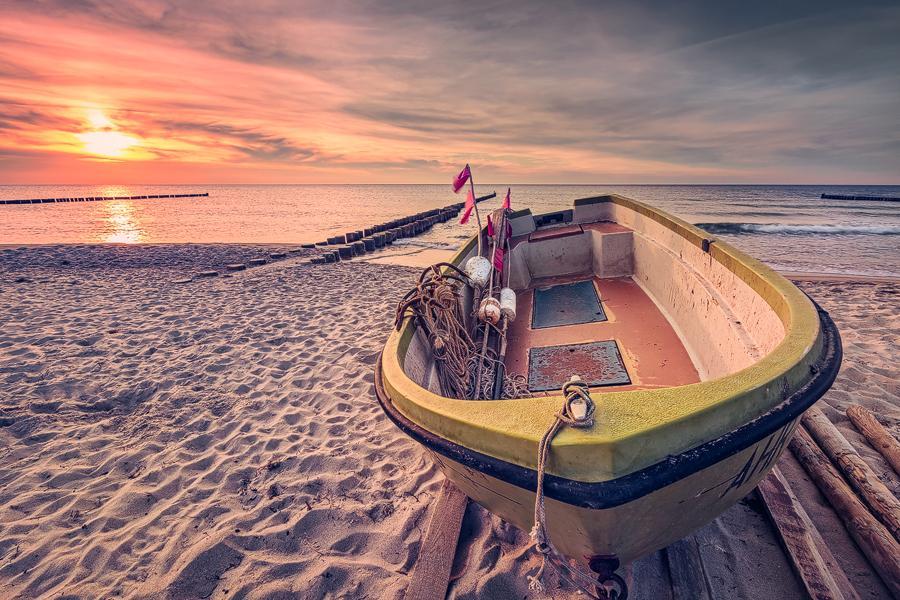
475	201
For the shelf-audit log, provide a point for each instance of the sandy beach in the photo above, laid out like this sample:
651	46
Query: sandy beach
220	438
211	214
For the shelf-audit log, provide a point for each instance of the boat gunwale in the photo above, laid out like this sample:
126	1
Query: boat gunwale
607	494
751	391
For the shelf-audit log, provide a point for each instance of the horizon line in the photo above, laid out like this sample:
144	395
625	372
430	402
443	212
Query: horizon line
448	184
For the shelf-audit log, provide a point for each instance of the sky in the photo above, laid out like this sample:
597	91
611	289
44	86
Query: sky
286	91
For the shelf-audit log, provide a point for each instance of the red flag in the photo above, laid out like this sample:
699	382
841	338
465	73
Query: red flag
470	204
461	179
498	259
490	227
506	200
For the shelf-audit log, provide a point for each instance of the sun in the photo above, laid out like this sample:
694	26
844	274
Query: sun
112	144
98	120
104	139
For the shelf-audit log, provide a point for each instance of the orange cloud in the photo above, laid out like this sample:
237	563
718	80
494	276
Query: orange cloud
128	91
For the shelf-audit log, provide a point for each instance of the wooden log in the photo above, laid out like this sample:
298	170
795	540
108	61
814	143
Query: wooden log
686	571
858	473
650	578
820	573
431	574
886	444
873	539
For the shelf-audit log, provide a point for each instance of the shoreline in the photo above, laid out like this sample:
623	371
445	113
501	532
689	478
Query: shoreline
419	256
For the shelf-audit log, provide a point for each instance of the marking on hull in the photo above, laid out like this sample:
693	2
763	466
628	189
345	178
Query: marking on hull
757	464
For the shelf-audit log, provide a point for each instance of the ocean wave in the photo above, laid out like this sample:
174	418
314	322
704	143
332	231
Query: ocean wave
782	228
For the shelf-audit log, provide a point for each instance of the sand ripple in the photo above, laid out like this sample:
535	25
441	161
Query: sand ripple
212	439
220	438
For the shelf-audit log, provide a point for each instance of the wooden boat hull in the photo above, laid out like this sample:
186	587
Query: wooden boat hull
635	515
661	461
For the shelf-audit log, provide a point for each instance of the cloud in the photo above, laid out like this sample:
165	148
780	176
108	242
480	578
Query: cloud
535	91
254	144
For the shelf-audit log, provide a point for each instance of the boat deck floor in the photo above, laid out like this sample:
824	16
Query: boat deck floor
645	346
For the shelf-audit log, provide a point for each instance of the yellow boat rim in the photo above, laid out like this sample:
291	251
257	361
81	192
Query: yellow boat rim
635	429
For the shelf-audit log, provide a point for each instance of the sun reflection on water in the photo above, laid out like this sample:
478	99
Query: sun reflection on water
111	191
122	225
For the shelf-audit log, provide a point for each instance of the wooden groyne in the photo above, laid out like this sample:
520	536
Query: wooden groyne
99	198
871	198
357	243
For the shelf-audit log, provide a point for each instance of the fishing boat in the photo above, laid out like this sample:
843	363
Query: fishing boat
699	361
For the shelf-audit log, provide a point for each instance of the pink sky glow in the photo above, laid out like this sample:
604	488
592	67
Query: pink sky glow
150	92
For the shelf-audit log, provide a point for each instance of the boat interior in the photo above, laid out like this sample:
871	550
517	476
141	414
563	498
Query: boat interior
616	297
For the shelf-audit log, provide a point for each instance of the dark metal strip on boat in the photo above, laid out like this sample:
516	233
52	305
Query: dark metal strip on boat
615	492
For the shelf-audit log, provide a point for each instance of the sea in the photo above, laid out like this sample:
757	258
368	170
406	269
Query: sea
790	227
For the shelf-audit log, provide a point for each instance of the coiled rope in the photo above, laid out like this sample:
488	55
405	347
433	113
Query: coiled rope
514	385
435	301
577	412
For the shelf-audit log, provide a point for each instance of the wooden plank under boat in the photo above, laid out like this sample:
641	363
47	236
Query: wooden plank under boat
704	359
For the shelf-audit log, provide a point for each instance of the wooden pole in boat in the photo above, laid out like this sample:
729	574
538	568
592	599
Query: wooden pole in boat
487	326
475	203
873	539
880	499
499	371
886	444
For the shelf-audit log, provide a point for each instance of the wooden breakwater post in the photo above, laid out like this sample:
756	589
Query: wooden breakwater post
370	239
100	198
870	198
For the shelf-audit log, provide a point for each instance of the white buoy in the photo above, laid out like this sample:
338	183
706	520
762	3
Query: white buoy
508	304
478	268
489	310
